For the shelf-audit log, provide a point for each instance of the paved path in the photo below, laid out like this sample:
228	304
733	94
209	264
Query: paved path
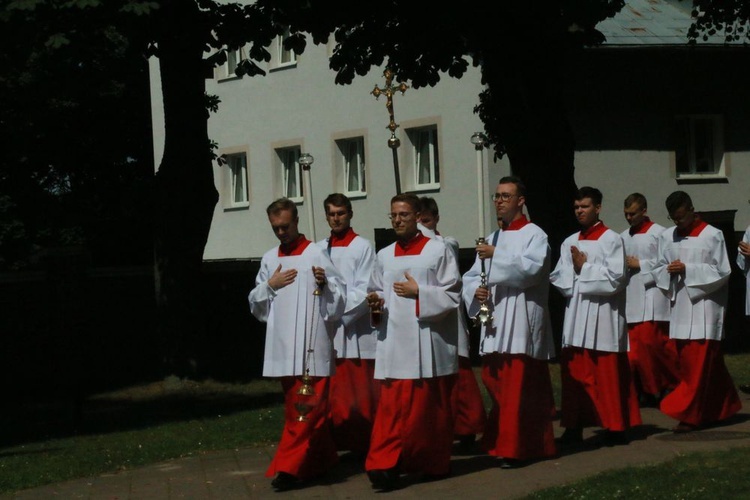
239	474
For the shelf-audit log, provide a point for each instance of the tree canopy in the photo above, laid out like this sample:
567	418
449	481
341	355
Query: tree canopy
74	113
730	18
71	67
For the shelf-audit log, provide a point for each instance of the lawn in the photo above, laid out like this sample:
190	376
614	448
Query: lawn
175	418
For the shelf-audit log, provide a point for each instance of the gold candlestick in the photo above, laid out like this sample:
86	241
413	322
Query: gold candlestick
484	315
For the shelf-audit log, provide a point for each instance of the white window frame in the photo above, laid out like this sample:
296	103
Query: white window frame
290	170
351	166
700	141
239	193
281	57
425	160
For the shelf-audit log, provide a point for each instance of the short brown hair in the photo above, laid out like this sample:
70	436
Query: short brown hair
410	199
280	205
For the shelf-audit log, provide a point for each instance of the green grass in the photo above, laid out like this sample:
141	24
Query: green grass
169	419
694	476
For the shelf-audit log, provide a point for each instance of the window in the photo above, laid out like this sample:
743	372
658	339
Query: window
237	168
234	57
351	166
291	173
283	57
425	160
700	148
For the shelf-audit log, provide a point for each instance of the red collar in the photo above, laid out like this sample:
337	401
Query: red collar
593	232
642	227
412	247
294	248
516	224
342	240
694	230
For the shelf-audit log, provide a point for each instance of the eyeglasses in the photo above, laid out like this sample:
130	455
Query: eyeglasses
401	215
503	196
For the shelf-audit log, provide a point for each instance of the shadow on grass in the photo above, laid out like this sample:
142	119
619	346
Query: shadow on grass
134	408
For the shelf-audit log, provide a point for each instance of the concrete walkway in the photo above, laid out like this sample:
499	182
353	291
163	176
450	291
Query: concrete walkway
239	474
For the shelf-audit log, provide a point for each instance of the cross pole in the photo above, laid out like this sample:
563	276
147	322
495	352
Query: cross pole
393	141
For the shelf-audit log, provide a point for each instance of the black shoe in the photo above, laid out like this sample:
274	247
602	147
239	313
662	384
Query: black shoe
684	427
745	388
510	463
648	400
614	438
572	435
467	440
435	477
284	481
383	479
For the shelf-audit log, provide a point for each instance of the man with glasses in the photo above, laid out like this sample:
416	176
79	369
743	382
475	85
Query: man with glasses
693	271
597	386
516	344
354	391
299	348
467	398
652	355
416	285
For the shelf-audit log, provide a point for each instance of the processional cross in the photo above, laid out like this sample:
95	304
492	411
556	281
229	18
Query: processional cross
393	141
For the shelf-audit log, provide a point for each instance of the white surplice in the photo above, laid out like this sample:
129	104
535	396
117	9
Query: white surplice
296	319
412	346
744	264
463	327
595	308
517	279
644	300
699	297
355	337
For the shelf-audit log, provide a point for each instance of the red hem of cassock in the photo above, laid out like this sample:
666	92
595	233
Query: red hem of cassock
706	393
353	401
306	449
467	401
653	356
413	426
597	390
519	425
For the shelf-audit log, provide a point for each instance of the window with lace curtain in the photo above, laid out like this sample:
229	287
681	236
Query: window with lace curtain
238	189
426	164
228	69
282	57
291	173
351	166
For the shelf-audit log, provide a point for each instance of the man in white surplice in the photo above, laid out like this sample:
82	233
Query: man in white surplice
468	405
354	390
299	342
693	271
417	285
597	386
652	354
517	343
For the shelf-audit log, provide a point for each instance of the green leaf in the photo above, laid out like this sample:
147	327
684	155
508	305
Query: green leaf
24	4
56	41
140	8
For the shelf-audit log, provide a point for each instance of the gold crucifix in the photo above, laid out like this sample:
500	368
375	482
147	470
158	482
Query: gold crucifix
389	89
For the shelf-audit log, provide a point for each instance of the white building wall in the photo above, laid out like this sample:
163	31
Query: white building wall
302	105
651	173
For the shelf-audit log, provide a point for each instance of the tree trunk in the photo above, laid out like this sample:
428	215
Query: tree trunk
185	192
523	107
